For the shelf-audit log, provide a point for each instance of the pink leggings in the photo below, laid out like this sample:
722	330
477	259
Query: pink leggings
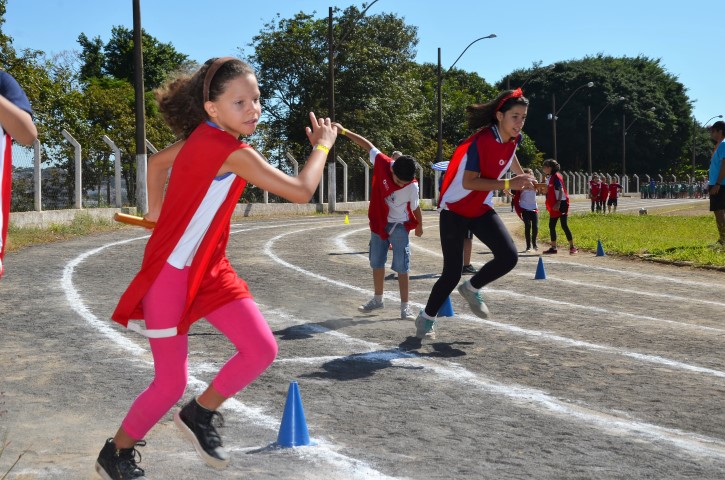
239	320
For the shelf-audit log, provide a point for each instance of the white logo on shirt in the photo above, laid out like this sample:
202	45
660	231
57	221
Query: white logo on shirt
501	162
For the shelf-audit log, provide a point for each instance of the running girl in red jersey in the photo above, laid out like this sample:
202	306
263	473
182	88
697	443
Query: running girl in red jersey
466	202
185	274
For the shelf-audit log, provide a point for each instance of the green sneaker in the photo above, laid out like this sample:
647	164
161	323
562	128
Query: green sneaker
474	299
424	327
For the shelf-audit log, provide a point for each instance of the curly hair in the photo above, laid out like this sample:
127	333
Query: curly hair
481	115
181	99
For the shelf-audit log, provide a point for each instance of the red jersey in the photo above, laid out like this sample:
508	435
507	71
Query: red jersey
212	281
614	189
604	192
490	157
594	188
384	185
556	182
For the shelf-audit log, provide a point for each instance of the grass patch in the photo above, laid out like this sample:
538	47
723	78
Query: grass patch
672	238
82	225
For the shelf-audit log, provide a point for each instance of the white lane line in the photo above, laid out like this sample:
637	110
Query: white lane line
323	451
591	308
630	291
533	398
536	334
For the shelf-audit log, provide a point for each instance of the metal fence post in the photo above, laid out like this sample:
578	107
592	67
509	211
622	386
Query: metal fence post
295	163
37	177
367	178
150	147
116	168
78	176
344	179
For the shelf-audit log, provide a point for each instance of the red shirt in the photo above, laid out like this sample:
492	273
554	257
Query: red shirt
594	188
491	156
212	281
384	185
556	180
614	189
604	192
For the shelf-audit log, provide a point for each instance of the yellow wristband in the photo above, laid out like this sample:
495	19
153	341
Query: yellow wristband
343	131
506	183
322	147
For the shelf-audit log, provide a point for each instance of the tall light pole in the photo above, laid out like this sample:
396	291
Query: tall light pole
694	129
332	179
625	128
552	116
139	108
439	154
590	123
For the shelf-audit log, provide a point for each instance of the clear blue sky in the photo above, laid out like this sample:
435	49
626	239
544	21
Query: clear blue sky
686	36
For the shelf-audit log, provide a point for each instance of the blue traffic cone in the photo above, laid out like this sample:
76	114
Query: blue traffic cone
446	309
540	272
600	249
293	431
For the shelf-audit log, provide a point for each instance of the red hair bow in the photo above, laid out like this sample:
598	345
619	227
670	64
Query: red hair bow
515	94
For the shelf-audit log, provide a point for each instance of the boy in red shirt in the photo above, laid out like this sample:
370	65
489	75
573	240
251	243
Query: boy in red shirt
603	195
614	189
594	186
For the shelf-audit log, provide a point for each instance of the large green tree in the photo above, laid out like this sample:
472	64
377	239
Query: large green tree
655	141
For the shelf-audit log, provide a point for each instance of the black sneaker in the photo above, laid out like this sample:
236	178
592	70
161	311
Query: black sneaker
195	422
119	463
469	270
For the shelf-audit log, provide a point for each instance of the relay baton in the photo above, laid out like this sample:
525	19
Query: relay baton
133	220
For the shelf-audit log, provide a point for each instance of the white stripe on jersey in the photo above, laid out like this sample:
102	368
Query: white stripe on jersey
189	242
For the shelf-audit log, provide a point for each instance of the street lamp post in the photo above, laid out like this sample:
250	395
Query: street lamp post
332	179
590	123
694	129
625	128
439	154
552	116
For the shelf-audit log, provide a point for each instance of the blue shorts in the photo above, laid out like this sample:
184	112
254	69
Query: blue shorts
401	248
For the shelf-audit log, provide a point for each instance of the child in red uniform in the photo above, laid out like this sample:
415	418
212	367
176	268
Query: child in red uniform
16	124
466	203
185	274
557	203
603	195
393	212
614	189
594	187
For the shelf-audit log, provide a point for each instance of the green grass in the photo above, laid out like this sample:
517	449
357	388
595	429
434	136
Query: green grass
670	238
82	225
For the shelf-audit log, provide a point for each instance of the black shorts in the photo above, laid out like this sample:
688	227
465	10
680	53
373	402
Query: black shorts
612	201
717	202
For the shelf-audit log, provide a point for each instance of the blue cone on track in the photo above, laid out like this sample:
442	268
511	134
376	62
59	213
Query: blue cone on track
600	249
540	272
446	309
293	431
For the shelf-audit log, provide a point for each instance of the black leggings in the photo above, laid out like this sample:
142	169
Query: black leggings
531	226
564	226
489	229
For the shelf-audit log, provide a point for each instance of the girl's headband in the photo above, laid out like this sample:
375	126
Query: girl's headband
211	72
515	94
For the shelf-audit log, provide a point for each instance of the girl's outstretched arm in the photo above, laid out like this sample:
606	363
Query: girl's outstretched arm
250	165
158	171
359	140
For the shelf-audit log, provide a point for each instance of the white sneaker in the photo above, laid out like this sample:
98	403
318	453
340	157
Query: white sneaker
424	327
407	314
474	299
371	305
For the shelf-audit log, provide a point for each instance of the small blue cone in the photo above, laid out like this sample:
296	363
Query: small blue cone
293	431
446	309
600	249
540	272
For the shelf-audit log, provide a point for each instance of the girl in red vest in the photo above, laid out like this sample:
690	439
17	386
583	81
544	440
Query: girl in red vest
466	202
557	203
185	274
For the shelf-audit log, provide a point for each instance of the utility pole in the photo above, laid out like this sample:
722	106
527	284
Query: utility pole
141	193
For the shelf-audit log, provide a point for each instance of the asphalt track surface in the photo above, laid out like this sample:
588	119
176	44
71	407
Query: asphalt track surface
607	369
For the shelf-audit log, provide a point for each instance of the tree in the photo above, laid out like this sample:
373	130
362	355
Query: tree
656	141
